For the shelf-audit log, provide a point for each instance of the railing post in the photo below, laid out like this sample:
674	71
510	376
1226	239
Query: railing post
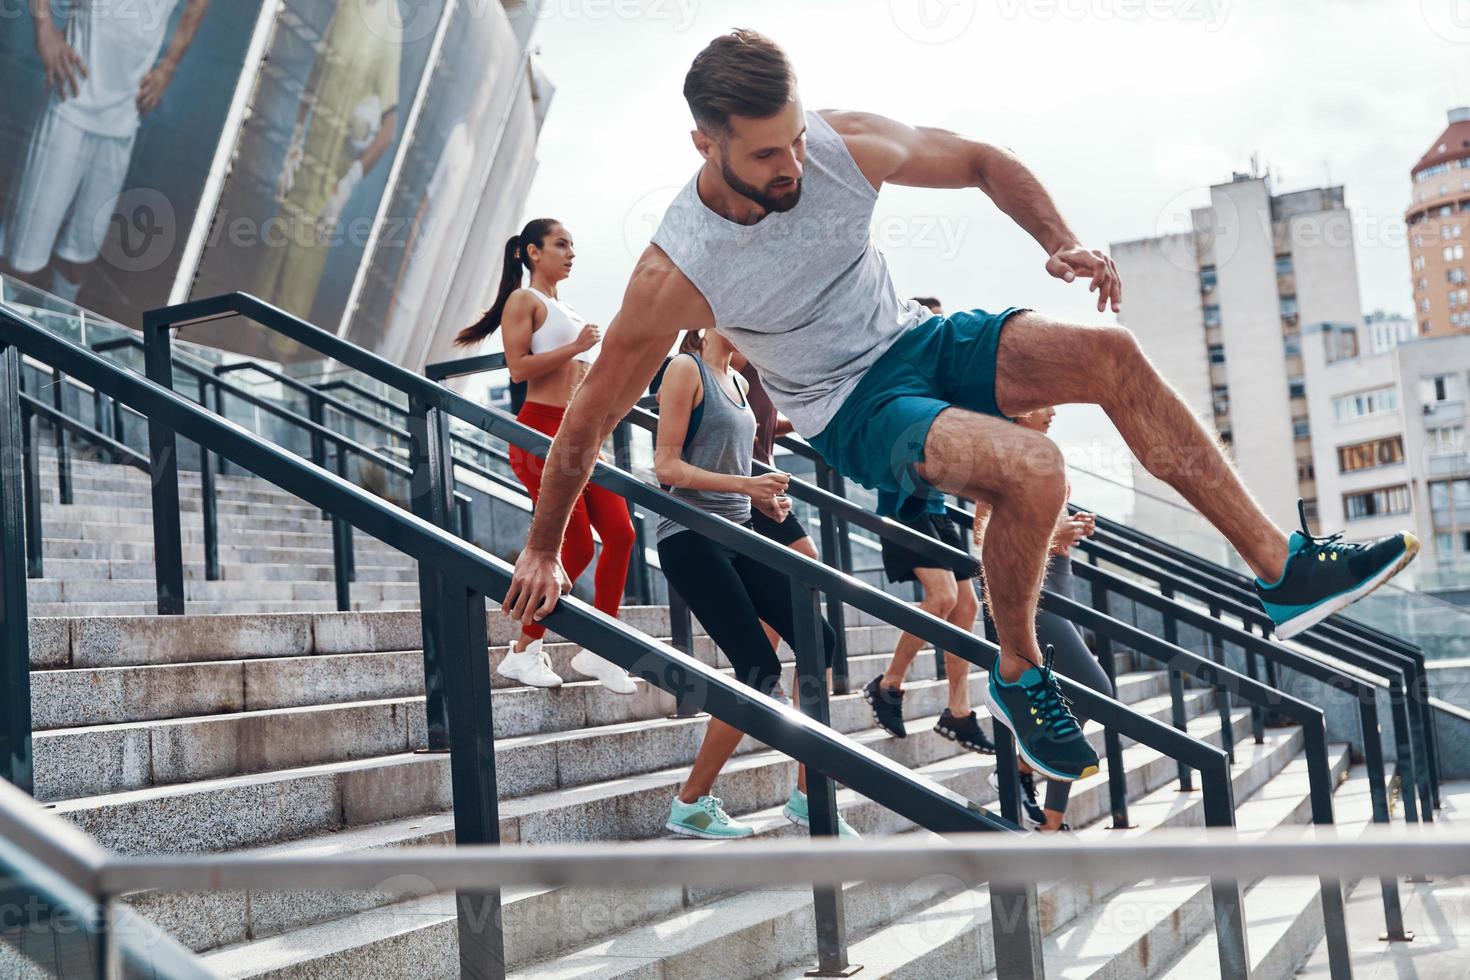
63	441
472	771
1112	743
1016	930
638	576
208	506
219	409
31	492
681	633
423	493
1176	691
317	415
1222	696
119	429
1230	932
1253	671
163	465
1393	911
821	795
1334	912
832	557
15	643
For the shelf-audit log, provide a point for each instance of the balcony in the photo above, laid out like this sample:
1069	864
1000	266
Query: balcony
1437	414
1449	464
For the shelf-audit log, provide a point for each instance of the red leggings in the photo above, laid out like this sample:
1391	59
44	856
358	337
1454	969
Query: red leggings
597	507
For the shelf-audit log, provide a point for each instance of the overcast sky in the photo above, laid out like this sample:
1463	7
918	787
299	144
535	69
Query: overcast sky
1127	110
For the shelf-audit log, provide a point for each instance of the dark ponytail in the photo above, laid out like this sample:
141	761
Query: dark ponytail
516	257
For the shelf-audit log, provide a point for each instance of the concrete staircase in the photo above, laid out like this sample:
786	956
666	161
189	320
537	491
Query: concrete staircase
275	551
287	728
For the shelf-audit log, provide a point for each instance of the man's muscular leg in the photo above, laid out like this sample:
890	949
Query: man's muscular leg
1046	362
1020	473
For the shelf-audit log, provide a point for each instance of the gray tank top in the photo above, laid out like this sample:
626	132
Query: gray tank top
721	439
804	294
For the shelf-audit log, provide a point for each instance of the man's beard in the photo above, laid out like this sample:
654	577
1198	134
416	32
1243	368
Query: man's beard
767	200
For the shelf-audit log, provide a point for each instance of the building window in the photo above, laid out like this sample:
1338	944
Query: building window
1416	241
1212	315
1305	471
1217	353
1418	263
1371	454
1366	403
1221	398
1447	495
1441	388
1447	439
1296	387
1288	307
1453	253
1301	428
1444	544
1427	326
1456	276
1376	503
1424	305
1207	279
1292	342
1283	265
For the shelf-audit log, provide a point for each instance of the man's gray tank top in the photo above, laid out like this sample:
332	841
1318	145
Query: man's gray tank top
804	294
721	439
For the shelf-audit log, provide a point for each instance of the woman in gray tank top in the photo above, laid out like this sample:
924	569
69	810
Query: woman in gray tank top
706	436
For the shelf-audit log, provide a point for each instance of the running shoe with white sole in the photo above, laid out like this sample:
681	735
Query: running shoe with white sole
1033	817
604	671
1324	576
796	811
1047	734
530	666
705	818
965	731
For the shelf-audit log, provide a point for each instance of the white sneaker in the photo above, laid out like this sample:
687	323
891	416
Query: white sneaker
609	674
530	666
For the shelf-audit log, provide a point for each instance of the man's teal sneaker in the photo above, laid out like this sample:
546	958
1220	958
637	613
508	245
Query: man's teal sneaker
1324	576
705	817
1047	734
796	812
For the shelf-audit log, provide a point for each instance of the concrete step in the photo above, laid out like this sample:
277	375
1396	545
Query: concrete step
1284	915
128	505
101	569
231	552
264	607
110	758
268	519
55	590
538	920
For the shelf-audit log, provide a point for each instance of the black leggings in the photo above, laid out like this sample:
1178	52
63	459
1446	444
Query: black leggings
730	594
1072	660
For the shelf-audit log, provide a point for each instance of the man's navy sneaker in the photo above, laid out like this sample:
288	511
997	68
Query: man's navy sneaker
887	705
1047	734
1324	576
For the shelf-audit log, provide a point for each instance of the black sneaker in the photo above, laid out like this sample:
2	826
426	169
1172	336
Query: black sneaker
1324	576
1047	734
1032	815
966	730
887	707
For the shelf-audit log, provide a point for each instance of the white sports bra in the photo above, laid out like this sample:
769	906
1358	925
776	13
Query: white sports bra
561	327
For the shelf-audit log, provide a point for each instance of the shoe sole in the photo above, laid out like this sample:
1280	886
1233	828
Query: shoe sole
683	831
518	678
872	704
978	750
1336	604
999	715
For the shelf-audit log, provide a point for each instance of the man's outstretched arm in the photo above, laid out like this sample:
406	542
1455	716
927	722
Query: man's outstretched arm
659	303
917	156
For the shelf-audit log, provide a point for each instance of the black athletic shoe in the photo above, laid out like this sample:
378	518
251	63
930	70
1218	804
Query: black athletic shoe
887	707
1047	734
1324	576
1032	815
966	730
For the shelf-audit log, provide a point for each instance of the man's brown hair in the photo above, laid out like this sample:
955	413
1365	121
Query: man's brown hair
743	73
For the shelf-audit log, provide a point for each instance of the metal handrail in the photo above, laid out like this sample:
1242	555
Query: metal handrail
471	575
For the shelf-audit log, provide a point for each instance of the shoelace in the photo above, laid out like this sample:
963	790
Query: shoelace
1320	543
545	660
1048	702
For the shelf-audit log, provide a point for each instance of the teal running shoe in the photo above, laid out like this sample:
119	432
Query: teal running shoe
706	818
1047	734
1324	576
796	812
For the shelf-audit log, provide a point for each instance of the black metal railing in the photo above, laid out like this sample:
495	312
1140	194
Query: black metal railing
464	577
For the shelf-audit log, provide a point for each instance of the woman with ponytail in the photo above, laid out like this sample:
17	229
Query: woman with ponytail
548	348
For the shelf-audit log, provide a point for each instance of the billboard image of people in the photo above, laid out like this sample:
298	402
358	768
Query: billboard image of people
109	118
314	158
